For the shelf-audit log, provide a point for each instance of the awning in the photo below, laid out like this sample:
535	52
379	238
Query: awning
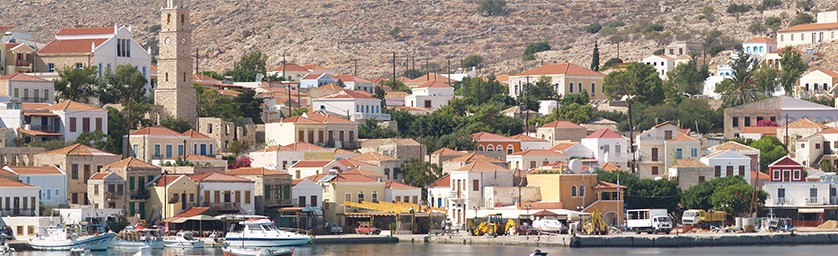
39	133
369	214
175	220
44	114
810	210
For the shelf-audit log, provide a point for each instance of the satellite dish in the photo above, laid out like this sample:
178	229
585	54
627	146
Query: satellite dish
575	166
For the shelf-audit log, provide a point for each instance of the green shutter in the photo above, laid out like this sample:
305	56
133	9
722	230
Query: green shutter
131	187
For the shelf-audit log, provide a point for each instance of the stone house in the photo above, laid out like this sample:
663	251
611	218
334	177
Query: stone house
272	188
80	162
402	149
225	133
561	131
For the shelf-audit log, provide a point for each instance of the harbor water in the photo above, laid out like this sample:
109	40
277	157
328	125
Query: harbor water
488	250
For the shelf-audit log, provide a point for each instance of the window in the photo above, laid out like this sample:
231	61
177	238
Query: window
490	147
374	197
693	152
156	150
79	66
246	196
72	124
813	192
728	171
700	179
360	197
85	124
17	93
655	170
168	151
742	171
475	184
582	190
98	122
781	193
96	190
347	197
509	149
573	191
571	87
796	174
180	150
136	149
776	175
679	153
593	88
718	171
735	121
747	121
802	145
74	171
50	67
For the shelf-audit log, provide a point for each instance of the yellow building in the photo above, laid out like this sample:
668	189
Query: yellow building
178	191
341	188
580	192
566	78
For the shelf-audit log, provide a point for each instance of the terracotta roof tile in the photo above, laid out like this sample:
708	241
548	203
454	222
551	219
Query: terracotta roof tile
311	76
806	123
562	124
4	182
830	130
34	170
33	106
39	133
195	134
563	146
683	137
364	173
604	133
426	78
474	156
73	106
731	145
218	177
607	185
299	119
609	167
349	94
165	180
348	162
78	150
192	212
22	77
76	46
445	181
318	116
397	185
314	67
434	84
85	31
342	178
481	166
538	152
560	68
311	163
290	67
760	129
808	27
689	163
131	163
487	136
351	78
828	72
156	130
100	175
761	40
447	152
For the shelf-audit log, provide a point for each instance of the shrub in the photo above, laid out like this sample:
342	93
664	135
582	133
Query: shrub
491	7
659	51
738	8
533	48
652	28
616	24
708	13
756	28
802	18
593	28
773	23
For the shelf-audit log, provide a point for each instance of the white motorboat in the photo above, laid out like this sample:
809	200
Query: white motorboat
263	233
548	225
231	251
63	239
136	238
213	241
183	239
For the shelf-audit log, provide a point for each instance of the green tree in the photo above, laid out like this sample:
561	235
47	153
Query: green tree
98	140
473	60
827	166
250	65
397	86
477	91
740	89
770	150
802	18
611	62
491	7
738	8
688	78
250	106
595	58
543	89
420	174
639	81
117	129
696	113
576	113
533	48
767	79
793	68
756	28
176	124
644	193
593	28
773	23
237	148
213	104
736	199
709	13
370	130
769	4
395	33
212	74
127	85
76	84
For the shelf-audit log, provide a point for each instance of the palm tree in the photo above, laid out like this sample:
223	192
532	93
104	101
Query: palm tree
740	88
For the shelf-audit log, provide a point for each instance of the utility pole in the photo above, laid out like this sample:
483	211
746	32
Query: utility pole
786	138
449	71
355	70
413	65
427	71
394	69
197	60
287	84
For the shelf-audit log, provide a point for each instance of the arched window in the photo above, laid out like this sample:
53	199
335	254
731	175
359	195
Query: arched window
480	148
509	149
490	147
573	191
582	190
499	147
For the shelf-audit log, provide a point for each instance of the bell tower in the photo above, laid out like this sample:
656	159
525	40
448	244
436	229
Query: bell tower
174	90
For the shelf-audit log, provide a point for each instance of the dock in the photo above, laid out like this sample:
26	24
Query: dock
354	239
632	240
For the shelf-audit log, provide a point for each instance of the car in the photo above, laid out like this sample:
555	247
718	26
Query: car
333	229
527	230
367	229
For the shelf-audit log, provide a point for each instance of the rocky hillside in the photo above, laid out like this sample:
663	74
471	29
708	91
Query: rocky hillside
333	33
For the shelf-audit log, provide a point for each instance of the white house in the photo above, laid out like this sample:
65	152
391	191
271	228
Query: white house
528	142
818	82
306	168
439	191
759	46
729	163
825	30
468	184
662	64
67	119
51	181
358	105
281	157
395	191
356	83
431	95
608	147
573	149
11	116
22	198
106	48
723	71
25	228
534	158
315	80
660	146
306	193
290	71
226	193
27	88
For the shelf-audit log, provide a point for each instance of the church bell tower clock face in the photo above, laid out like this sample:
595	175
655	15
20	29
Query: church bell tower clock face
168	40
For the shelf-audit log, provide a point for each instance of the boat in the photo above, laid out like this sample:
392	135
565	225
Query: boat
131	238
143	251
213	240
230	251
80	252
538	252
548	225
63	239
183	239
263	233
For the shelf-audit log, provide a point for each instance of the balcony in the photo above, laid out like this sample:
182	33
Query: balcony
140	194
23	63
455	197
35	100
43	128
376	116
112	197
814	201
782	201
17	212
223	206
278	202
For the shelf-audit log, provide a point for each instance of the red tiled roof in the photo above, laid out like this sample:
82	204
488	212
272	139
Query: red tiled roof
760	129
351	78
311	76
561	124
85	31
481	166
538	152
435	84
33	106
398	185
830	130
343	178
34	170
38	133
474	156
761	40
72	105
156	130
683	137
447	152
349	94
609	167
76	46
218	177
100	175
78	150
310	163
353	163
312	67
195	134
604	133
560	68
487	136
523	137
828	72
6	28
290	67
426	78
4	182
192	212
445	181
299	119
131	163
363	173
563	146
165	180
22	77
808	27
326	118
607	185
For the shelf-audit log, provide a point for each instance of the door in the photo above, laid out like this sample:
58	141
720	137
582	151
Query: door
142	210
786	175
44	124
654	154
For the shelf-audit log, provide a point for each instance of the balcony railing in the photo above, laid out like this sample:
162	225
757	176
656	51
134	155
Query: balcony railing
782	201
111	196
814	201
140	194
36	100
275	202
223	206
17	212
40	127
376	116
23	63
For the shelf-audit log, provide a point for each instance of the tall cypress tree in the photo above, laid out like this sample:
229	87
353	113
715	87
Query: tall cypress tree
595	58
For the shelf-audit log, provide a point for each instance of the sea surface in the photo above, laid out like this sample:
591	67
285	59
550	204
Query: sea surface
487	250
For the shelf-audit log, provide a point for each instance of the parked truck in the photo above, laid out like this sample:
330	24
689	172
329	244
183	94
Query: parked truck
704	219
649	220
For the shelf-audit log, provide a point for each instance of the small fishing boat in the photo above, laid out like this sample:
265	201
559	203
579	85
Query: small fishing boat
183	239
538	252
132	238
230	251
263	233
63	239
213	241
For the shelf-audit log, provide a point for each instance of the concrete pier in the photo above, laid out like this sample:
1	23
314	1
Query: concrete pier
632	240
354	239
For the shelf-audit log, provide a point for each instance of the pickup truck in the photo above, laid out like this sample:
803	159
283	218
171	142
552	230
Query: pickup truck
366	229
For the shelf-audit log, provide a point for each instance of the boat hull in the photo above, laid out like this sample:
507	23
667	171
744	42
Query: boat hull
128	244
93	243
267	242
229	251
185	244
